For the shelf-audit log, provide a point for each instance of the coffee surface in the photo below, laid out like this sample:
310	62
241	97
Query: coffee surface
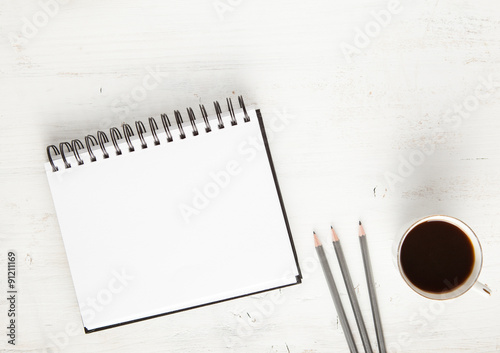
437	256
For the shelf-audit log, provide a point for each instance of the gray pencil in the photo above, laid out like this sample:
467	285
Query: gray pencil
352	294
335	295
371	289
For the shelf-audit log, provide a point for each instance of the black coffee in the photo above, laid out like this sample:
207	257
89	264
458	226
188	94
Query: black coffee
437	256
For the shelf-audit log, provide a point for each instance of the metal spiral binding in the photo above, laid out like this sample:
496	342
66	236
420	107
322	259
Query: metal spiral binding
205	118
231	112
61	148
141	129
93	140
77	144
192	118
179	121
166	123
218	111
102	138
127	131
56	151
154	126
242	106
115	134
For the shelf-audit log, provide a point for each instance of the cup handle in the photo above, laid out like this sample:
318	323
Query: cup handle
482	288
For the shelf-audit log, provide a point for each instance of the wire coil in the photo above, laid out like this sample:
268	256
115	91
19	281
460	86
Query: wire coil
115	134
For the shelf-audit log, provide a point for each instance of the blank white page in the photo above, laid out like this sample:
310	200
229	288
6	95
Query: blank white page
173	226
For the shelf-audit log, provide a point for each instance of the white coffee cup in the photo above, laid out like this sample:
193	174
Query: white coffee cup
470	282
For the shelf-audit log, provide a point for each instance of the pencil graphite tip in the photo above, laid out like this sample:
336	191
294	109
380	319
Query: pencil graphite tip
316	240
334	235
361	230
359	222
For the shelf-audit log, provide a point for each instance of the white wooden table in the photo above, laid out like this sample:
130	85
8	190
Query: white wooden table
376	110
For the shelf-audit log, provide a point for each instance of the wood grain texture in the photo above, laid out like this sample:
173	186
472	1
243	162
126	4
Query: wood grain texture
340	129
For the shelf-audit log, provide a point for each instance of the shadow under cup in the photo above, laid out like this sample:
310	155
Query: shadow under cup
440	257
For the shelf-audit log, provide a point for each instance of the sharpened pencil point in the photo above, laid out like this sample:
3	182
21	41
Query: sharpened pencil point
359	222
361	230
334	235
316	240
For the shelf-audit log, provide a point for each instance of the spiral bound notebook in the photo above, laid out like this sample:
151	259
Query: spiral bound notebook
166	219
